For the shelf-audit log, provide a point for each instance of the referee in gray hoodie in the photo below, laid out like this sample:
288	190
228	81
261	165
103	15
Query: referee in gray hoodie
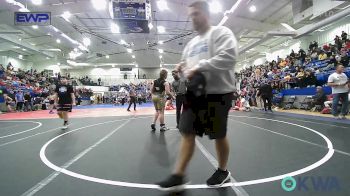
211	55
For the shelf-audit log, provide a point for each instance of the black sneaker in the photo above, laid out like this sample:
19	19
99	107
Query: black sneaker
177	126
172	183
128	110
219	178
153	127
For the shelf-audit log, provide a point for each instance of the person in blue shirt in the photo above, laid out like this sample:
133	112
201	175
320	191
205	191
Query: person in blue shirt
19	100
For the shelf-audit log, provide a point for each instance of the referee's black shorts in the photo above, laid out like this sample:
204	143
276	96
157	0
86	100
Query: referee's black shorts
206	115
64	107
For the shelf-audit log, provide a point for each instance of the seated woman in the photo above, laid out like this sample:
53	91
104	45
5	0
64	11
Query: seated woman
169	104
237	103
299	77
244	104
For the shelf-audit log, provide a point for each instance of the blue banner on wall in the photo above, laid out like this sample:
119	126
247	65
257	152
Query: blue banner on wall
306	91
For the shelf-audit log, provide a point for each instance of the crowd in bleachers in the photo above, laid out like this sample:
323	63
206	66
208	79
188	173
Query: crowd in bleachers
84	92
89	82
26	90
142	90
32	90
298	70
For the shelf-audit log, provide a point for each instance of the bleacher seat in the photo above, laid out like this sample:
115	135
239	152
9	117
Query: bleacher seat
319	77
289	103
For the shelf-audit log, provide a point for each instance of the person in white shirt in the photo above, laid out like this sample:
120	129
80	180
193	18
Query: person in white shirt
340	89
208	62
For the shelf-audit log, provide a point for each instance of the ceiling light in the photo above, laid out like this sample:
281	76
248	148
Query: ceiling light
287	26
161	51
160	56
123	42
129	50
20	39
58	41
252	8
113	66
24	49
107	56
215	7
162	5
35	27
320	30
136	65
49	34
37	2
71	62
54	28
160	42
133	56
47	58
86	41
75	49
70	39
99	4
160	65
114	28
58	63
150	26
66	15
161	29
20	56
74	54
83	48
32	44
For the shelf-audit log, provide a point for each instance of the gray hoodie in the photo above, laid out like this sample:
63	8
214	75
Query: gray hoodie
214	54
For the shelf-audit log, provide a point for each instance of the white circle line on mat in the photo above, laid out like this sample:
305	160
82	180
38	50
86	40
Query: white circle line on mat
13	134
195	186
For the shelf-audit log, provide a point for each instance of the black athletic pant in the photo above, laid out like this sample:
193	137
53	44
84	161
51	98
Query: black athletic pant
132	100
139	100
19	106
179	102
267	102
